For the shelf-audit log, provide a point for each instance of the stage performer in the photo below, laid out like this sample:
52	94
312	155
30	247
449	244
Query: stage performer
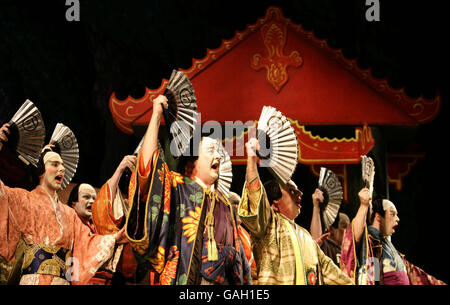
103	214
60	249
330	242
285	253
182	228
368	255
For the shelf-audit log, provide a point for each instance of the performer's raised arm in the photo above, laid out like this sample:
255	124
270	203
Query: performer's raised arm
253	181
127	162
359	221
254	208
316	225
150	143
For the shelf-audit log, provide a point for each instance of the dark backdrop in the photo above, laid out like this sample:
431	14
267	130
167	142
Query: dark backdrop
69	70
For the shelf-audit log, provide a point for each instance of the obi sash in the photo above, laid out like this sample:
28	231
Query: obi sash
44	259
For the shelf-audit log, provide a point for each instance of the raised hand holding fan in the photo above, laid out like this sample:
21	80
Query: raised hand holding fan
333	194
67	146
27	133
368	172
278	144
368	175
181	115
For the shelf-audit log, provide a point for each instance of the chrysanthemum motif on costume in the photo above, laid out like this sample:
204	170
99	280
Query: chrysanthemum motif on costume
170	270
176	179
161	173
158	261
191	224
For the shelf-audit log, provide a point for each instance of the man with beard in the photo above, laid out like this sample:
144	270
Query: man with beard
285	253
59	248
368	255
182	228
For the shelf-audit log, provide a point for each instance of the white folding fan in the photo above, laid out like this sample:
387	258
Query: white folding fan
67	146
330	185
181	115
278	144
27	133
225	171
368	175
368	172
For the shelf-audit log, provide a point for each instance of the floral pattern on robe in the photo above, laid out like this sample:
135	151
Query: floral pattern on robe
166	211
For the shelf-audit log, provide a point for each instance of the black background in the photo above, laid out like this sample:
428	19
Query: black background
70	69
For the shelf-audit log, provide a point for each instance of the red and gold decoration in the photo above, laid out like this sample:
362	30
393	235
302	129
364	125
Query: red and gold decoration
274	35
400	165
312	149
322	86
278	63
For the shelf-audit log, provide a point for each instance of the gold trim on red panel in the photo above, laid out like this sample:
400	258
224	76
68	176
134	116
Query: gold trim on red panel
411	160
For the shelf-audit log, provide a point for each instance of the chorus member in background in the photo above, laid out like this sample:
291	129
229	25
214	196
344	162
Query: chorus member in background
330	242
368	255
103	214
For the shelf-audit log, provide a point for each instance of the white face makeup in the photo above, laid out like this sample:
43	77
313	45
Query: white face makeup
391	219
54	171
86	197
208	162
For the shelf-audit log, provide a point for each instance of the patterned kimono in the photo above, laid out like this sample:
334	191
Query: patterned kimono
285	253
107	214
375	260
59	248
248	249
167	231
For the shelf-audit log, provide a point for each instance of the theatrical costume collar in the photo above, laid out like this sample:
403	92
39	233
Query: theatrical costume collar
375	233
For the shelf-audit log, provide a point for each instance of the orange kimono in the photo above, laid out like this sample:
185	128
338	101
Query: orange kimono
60	249
107	214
